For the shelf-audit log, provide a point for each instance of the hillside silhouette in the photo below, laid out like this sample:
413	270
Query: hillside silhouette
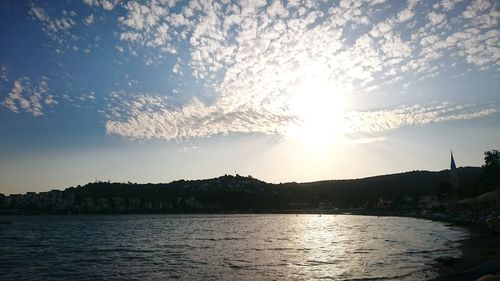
392	187
237	193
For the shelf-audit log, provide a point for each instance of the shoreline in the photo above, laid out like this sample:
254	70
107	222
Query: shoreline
480	255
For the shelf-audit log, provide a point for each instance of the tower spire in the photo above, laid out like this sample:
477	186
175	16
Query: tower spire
453	172
452	164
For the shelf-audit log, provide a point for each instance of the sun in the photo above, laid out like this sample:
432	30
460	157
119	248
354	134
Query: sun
319	105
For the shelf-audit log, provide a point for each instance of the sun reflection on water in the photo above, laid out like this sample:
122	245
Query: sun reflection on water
225	247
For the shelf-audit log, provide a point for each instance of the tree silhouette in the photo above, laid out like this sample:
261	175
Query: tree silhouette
492	165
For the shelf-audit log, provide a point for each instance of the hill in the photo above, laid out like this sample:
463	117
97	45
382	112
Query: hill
239	194
392	187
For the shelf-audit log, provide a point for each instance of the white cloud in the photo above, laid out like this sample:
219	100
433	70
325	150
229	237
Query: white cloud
89	20
108	5
148	117
4	77
88	97
383	120
255	56
105	4
176	68
130	36
49	100
23	96
449	4
405	15
395	47
60	29
52	25
476	7
92	2
119	49
39	13
435	18
147	25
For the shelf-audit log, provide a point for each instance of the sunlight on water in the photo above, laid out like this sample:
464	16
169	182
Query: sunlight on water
230	247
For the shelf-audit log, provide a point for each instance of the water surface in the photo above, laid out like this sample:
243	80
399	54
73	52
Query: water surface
223	247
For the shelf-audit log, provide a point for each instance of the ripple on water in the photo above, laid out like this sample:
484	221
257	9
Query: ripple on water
272	247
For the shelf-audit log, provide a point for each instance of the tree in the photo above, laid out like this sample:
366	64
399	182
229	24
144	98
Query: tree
492	165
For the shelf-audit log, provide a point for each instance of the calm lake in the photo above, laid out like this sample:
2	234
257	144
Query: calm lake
223	247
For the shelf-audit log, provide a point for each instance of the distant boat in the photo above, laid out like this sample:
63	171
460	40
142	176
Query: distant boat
6	222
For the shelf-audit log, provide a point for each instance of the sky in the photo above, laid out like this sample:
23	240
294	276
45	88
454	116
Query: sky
290	90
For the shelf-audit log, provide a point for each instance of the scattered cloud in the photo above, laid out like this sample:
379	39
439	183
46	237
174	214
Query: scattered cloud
119	49
88	97
53	26
105	4
449	4
258	55
405	15
226	36
4	78
177	69
149	117
435	18
59	29
28	98
89	20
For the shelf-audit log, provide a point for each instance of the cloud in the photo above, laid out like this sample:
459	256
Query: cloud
188	148
256	56
89	20
88	97
449	4
4	77
405	15
149	117
25	97
177	68
60	29
366	140
147	24
39	13
53	26
222	34
435	18
403	116
477	7
119	49
105	4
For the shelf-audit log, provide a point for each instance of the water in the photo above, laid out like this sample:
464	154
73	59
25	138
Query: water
223	247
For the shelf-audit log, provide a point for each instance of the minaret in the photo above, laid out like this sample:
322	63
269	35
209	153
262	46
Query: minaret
453	173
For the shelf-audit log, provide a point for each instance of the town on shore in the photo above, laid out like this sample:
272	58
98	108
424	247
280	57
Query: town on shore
466	194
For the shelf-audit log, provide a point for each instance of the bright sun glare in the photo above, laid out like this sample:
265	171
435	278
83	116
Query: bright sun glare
318	105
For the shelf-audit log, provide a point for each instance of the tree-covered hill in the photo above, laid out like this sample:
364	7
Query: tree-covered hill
244	194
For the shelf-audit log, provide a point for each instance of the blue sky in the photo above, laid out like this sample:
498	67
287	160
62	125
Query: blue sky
158	90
